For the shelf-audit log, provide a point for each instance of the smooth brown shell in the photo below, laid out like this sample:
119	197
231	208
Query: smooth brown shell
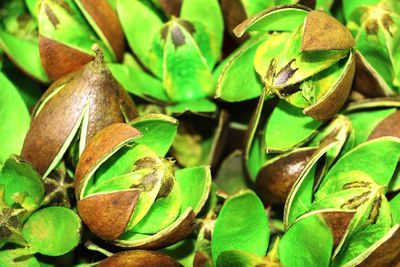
171	7
367	81
107	215
173	235
390	126
102	145
338	222
323	32
108	22
333	101
59	59
139	258
91	86
276	179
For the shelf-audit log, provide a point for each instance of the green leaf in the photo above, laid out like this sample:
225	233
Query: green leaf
20	257
364	122
162	213
208	13
395	206
268	50
53	231
143	85
195	184
278	18
132	14
308	242
158	131
237	258
122	161
378	158
288	128
25	54
241	225
186	74
14	118
22	184
239	73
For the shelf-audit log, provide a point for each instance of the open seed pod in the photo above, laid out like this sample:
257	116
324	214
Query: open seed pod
357	182
180	53
289	146
72	111
375	27
312	68
139	258
131	197
65	37
18	39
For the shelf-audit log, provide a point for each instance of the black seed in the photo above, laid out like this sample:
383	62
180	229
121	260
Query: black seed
285	73
290	90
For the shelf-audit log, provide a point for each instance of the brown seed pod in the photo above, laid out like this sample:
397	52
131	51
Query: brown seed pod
63	51
139	258
333	101
323	32
113	205
89	99
276	178
390	126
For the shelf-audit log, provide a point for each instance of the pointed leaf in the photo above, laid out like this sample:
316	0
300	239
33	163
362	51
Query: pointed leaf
51	235
241	225
15	119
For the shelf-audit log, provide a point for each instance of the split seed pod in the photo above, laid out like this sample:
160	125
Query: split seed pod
313	67
129	196
66	37
72	111
139	258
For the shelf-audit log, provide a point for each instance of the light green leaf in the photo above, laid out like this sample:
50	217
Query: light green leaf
308	242
14	118
53	231
138	82
22	184
195	184
186	75
241	225
288	128
132	15
208	13
239	73
25	54
158	132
